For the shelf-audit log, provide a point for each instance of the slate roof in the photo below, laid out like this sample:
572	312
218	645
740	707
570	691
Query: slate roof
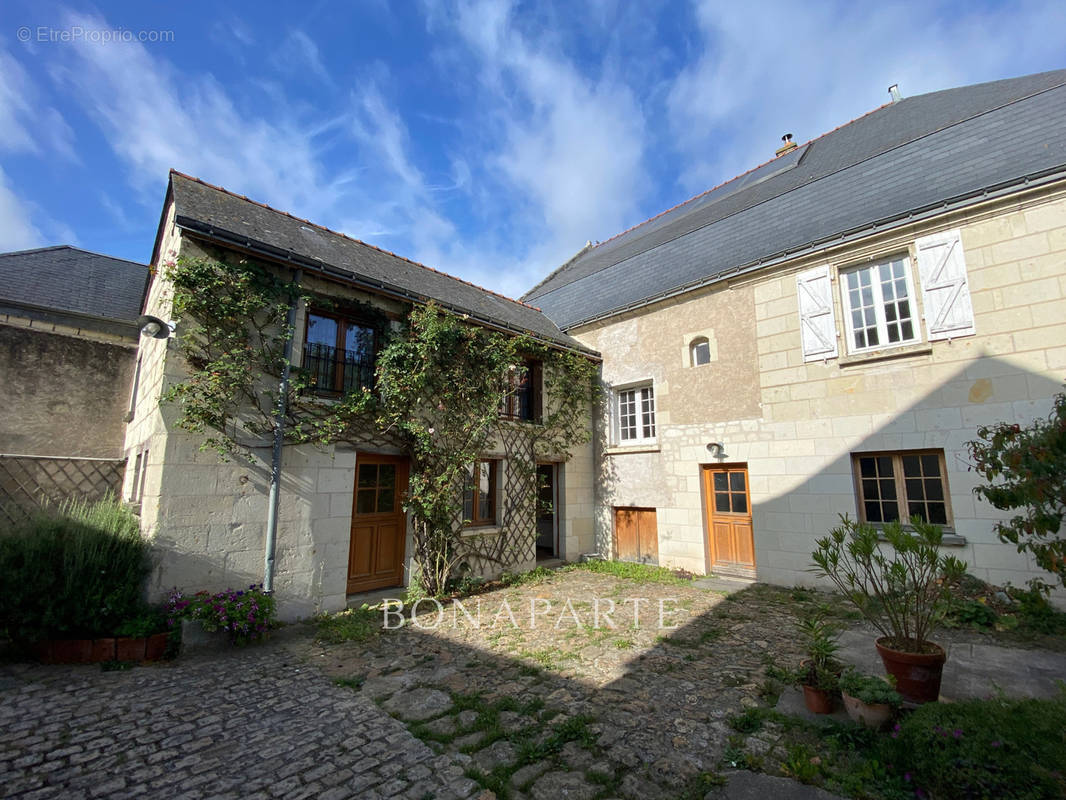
65	278
918	155
229	218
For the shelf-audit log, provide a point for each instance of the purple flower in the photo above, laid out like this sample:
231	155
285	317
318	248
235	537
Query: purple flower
907	777
957	733
997	743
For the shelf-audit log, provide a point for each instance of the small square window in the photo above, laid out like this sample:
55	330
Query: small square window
898	486
700	351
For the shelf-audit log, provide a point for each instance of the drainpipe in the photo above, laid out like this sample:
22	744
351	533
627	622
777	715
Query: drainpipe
279	439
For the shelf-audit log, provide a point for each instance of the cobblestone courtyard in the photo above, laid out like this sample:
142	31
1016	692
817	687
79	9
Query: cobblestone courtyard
445	708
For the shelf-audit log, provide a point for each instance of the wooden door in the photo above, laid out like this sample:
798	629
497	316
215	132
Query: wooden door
730	537
636	535
379	526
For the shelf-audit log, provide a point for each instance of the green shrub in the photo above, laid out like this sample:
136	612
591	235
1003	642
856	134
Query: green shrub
76	571
1006	749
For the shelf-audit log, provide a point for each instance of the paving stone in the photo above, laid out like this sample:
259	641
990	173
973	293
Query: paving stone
416	705
558	785
524	775
499	753
445	726
467	718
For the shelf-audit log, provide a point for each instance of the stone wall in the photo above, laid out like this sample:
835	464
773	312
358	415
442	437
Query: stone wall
795	424
208	519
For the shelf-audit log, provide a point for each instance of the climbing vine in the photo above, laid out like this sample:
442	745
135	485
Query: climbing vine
439	383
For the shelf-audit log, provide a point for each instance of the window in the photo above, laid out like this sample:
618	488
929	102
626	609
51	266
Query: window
898	486
338	353
878	305
700	351
479	495
636	415
522	398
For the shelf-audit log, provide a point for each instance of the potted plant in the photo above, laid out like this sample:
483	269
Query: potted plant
869	701
818	673
902	590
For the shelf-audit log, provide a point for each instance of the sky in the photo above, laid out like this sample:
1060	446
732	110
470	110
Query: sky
487	138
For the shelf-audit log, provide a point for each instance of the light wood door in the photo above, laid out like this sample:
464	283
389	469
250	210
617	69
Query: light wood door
379	526
730	536
636	535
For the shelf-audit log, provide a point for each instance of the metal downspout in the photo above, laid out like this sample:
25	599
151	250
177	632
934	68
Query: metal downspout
279	439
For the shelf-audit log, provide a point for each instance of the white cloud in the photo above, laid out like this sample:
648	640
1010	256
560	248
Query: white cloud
17	231
155	119
562	151
298	53
767	69
26	122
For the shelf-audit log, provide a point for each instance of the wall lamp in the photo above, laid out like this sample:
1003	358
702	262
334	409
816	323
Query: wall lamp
717	449
154	326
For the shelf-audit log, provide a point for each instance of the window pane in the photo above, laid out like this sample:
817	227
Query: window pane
387	476
721	482
888	489
740	504
701	352
627	414
368	475
386	500
869	488
647	410
873	512
938	513
736	481
912	466
884	465
359	342
890	511
915	489
868	467
321	330
934	489
930	465
721	502
364	501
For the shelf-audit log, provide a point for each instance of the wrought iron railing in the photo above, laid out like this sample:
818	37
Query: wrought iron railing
337	371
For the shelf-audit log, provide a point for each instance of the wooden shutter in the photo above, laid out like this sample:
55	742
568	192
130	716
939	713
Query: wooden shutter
536	381
818	329
945	290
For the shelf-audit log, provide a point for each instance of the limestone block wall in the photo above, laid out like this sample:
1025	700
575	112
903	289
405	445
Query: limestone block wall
207	518
796	424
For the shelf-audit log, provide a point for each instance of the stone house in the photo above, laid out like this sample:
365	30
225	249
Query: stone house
68	354
824	333
341	528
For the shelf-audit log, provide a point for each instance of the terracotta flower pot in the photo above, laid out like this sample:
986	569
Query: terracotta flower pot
129	648
818	701
72	651
157	646
917	674
103	650
870	715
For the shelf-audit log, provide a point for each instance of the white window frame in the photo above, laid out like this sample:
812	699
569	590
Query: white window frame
879	305
695	346
641	396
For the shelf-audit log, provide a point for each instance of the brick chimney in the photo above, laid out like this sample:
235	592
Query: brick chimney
788	145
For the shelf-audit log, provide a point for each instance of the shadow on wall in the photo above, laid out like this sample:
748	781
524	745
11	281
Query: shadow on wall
985	391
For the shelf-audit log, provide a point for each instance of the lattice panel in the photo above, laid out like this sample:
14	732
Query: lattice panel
516	543
28	483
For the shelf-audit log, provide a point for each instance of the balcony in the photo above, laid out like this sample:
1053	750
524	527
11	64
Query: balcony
334	371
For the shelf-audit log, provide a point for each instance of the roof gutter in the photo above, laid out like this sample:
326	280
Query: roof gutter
379	287
1032	181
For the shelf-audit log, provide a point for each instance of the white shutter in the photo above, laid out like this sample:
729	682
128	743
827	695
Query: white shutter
945	291
818	329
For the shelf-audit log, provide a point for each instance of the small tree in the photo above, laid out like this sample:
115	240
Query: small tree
1026	472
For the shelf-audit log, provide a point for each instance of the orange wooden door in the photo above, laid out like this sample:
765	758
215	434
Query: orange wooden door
636	535
731	538
379	526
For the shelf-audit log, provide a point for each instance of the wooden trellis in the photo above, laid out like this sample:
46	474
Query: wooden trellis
29	483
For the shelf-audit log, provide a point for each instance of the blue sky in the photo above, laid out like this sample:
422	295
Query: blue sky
486	138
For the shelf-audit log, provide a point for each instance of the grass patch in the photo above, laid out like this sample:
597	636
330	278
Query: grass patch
350	625
638	573
355	683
